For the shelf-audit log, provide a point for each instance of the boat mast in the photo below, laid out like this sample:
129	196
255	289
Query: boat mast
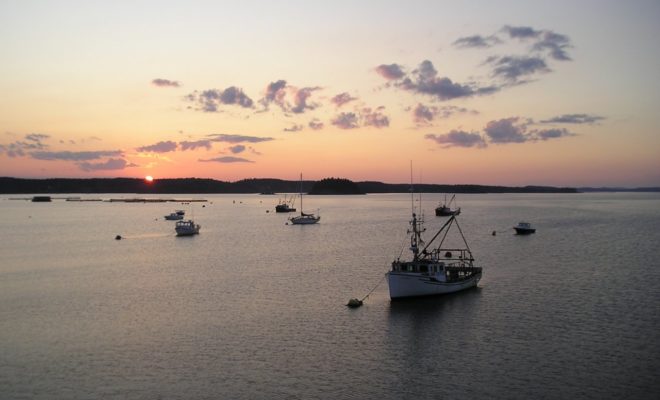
301	207
414	238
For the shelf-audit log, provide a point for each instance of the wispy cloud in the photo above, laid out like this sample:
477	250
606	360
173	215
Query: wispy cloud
555	45
294	128
477	41
512	68
210	100
346	120
574	119
546	134
424	115
500	132
341	99
457	138
74	155
375	118
521	32
165	83
543	45
160	147
425	80
227	159
196	144
111	164
315	124
229	138
19	148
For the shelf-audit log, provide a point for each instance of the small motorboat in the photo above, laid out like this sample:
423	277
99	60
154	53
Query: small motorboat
186	228
175	216
524	228
180	212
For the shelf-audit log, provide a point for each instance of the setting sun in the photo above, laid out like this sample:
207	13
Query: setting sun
149	178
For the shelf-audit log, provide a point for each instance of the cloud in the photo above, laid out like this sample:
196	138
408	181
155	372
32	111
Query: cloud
275	93
375	117
507	130
278	91
111	164
227	159
165	83
300	97
195	144
502	131
512	68
477	41
221	137
456	138
574	119
521	32
294	128
425	80
346	120
424	115
555	44
239	148
547	134
210	100
315	124
390	72
74	155
160	147
19	148
545	41
36	137
341	99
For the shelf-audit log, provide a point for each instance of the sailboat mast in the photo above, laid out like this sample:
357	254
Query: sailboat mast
301	206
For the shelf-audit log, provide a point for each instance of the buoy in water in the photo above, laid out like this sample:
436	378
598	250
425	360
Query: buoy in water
118	237
494	233
354	303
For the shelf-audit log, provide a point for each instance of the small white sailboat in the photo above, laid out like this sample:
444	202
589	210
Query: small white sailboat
304	218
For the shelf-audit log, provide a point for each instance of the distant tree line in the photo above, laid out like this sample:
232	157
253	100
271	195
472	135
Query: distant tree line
253	185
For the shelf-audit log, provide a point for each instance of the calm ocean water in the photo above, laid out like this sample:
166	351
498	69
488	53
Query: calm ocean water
254	309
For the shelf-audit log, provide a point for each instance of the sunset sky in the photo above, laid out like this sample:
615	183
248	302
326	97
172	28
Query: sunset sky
562	93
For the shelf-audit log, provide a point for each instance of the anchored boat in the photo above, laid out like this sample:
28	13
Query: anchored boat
433	271
304	218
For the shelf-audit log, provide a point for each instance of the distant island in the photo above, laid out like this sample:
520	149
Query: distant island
265	185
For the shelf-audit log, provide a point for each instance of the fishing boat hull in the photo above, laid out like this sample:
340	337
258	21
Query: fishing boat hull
403	285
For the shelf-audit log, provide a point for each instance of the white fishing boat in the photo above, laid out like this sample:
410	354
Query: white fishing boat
304	218
186	228
433	270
